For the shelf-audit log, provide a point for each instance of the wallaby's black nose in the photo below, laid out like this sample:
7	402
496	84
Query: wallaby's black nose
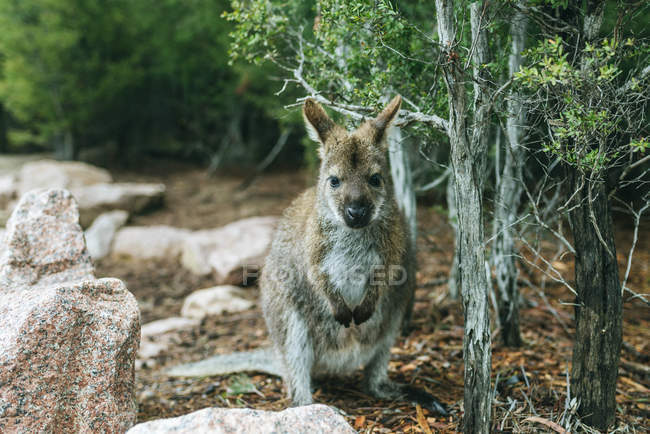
356	211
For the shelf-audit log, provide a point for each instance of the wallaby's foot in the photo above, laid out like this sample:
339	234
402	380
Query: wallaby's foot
402	392
300	396
362	313
343	315
301	402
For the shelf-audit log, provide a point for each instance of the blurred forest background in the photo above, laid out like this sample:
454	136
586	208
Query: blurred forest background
200	80
112	82
538	107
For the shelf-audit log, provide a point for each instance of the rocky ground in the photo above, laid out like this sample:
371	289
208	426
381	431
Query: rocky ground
530	382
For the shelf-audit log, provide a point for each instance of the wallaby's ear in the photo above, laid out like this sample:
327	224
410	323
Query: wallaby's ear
319	125
384	119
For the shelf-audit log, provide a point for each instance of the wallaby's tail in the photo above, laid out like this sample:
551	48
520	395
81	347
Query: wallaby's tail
259	360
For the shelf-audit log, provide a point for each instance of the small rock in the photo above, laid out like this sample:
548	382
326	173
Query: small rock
149	350
44	241
310	419
60	174
215	301
129	196
99	236
156	336
67	340
149	242
228	251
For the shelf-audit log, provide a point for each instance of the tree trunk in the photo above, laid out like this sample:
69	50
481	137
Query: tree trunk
508	197
454	272
400	167
64	146
598	311
467	162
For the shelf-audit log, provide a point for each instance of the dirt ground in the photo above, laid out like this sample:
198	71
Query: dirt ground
530	382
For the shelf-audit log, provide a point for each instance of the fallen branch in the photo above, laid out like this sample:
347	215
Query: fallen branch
636	368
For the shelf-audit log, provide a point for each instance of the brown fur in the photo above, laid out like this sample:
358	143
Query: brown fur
348	225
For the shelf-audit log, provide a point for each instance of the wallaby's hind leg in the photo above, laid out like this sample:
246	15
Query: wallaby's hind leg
379	385
298	360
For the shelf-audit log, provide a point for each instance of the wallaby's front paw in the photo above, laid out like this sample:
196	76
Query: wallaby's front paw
343	315
362	313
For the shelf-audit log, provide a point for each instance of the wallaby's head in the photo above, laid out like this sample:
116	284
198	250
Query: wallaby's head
355	180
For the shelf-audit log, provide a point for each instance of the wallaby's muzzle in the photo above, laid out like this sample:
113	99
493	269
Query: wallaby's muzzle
357	214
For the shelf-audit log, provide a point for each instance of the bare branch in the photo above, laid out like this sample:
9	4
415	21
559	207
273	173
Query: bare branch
557	277
436	182
637	221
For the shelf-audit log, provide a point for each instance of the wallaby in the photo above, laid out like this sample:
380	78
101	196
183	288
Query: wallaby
333	288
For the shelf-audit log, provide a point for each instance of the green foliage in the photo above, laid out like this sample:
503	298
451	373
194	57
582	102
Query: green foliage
359	53
240	384
141	77
353	52
582	101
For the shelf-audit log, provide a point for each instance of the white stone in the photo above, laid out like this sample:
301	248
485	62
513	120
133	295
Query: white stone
99	236
228	250
309	419
150	349
156	336
12	163
215	301
60	174
129	196
149	242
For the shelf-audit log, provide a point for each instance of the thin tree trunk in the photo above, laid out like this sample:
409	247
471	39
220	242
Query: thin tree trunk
598	311
467	162
400	167
509	191
64	146
454	272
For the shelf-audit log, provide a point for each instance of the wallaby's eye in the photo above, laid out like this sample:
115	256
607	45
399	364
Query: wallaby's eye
334	181
375	180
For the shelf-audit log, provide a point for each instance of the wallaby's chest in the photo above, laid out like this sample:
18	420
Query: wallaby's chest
349	261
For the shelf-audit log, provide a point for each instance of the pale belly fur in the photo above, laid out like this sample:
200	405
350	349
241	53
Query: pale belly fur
348	264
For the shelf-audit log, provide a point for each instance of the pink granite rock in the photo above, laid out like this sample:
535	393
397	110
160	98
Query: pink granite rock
68	341
310	419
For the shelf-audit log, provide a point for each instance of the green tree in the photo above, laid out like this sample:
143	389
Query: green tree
589	89
353	57
139	77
